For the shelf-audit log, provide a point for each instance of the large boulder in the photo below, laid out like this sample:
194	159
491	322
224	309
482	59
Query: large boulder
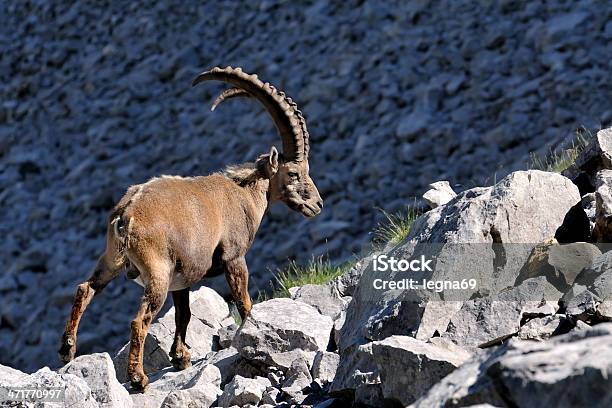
409	367
209	313
98	372
498	213
278	331
197	385
482	231
480	235
571	370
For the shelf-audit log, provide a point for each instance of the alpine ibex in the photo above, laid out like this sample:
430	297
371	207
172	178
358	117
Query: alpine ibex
170	232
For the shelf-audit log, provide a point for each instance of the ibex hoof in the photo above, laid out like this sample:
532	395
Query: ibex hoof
139	382
67	349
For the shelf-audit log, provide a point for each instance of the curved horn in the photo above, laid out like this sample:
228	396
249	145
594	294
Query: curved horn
228	94
284	113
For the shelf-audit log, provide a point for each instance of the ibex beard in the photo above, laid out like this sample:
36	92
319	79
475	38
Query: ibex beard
170	232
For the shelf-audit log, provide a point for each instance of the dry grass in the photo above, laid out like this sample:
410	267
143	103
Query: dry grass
556	161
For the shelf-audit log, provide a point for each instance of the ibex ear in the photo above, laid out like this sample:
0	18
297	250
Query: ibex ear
273	161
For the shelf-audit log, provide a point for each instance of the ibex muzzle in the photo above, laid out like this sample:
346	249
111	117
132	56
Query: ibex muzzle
170	232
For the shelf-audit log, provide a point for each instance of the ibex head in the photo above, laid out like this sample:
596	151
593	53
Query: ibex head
288	173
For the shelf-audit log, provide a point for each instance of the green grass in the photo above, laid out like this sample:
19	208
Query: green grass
555	161
237	318
396	227
318	271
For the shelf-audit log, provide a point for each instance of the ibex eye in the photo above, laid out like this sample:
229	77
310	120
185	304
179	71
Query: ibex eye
293	175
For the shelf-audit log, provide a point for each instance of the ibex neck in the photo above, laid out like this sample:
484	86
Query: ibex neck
259	192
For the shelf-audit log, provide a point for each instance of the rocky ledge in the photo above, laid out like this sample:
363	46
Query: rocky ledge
539	335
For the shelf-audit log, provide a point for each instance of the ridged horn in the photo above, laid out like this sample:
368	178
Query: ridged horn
288	120
229	94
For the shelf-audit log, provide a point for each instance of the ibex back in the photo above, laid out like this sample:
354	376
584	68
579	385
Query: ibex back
170	232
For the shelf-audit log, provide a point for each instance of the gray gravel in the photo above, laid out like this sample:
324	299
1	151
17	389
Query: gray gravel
96	96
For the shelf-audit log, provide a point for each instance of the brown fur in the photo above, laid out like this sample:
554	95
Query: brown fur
172	231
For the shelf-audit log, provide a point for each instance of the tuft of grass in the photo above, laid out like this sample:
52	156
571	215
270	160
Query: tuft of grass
236	316
556	161
321	270
396	227
318	271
